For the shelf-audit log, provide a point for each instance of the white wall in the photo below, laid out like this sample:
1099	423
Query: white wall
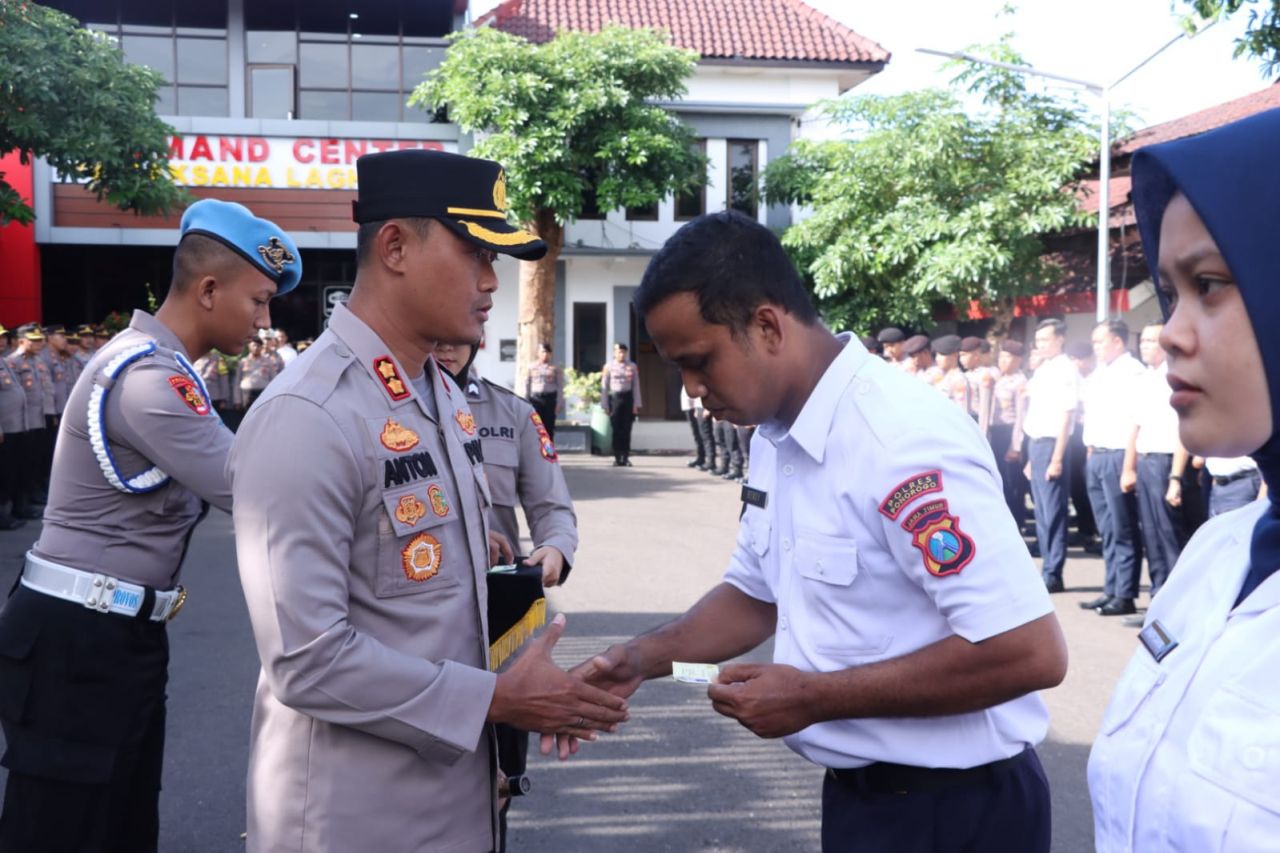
736	85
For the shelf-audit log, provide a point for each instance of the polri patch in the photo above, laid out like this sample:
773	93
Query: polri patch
421	557
936	533
545	444
190	394
398	438
410	510
466	421
906	492
390	376
439	503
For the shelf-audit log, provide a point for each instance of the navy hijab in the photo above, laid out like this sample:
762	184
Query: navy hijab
1231	176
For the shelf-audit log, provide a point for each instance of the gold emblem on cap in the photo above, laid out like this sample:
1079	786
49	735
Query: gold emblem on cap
275	255
500	191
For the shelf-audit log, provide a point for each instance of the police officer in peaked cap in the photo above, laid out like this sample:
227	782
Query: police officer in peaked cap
366	587
140	456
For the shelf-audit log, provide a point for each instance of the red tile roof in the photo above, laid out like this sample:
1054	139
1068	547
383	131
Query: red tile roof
1206	119
1121	210
716	29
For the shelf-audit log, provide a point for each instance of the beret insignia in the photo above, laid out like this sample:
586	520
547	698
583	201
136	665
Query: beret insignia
275	255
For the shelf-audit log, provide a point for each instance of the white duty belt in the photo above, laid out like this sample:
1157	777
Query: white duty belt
99	592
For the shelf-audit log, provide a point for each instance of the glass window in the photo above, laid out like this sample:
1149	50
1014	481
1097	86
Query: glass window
377	19
204	14
155	53
271	92
153	13
276	15
203	101
202	60
694	202
375	106
375	66
323	65
166	101
266	46
743	192
324	16
418	61
648	213
323	105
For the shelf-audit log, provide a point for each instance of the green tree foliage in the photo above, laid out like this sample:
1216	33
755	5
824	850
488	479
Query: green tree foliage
564	118
1261	39
926	202
67	95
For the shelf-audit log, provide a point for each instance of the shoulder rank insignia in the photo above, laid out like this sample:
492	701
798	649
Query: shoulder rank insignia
545	444
398	438
390	376
275	255
190	394
410	510
439	503
466	420
906	492
421	557
936	533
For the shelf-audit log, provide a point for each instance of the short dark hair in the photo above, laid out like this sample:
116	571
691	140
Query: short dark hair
367	231
732	264
1058	326
199	255
544	347
620	345
1118	328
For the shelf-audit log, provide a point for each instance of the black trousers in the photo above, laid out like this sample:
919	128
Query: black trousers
1160	522
82	702
545	406
622	414
1086	524
30	455
1007	813
707	427
1015	482
696	427
10	460
513	752
728	445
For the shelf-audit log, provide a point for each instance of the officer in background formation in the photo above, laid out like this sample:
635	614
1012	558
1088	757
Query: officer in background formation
891	340
1154	464
694	413
366	586
1235	482
281	346
975	360
216	374
1053	393
620	386
13	407
544	388
140	456
88	339
919	360
254	373
1108	401
952	382
1008	413
1080	353
523	470
33	374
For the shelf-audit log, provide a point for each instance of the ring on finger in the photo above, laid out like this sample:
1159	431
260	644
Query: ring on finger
581	723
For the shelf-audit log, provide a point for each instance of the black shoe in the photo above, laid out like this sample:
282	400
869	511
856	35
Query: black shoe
717	472
1093	546
617	463
1055	586
8	522
1134	621
732	475
696	463
1100	601
626	462
1118	607
29	514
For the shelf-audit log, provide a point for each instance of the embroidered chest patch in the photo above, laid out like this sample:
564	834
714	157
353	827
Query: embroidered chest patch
906	492
466	421
439	503
410	510
390	376
398	438
936	533
190	394
421	557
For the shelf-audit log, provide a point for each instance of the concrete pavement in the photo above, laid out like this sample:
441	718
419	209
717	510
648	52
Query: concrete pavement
679	777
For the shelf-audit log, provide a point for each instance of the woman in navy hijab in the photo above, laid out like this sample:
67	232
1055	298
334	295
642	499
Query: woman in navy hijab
1189	753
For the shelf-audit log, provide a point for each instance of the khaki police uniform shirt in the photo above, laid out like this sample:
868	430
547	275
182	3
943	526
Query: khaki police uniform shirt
155	416
34	374
362	543
543	379
956	386
60	378
13	402
619	377
216	375
523	469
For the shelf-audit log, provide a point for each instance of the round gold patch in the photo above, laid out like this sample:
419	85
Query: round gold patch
421	557
500	191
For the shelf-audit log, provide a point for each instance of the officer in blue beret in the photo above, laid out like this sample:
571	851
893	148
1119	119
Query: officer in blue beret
141	455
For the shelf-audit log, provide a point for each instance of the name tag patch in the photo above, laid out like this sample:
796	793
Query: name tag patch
906	492
1157	640
408	469
475	452
936	533
755	497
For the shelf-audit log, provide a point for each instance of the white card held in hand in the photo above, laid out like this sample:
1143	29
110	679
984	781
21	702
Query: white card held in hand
695	673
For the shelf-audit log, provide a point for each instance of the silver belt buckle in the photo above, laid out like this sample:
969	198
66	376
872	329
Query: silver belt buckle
101	593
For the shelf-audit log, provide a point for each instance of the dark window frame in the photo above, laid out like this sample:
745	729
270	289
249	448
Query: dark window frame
755	172
701	191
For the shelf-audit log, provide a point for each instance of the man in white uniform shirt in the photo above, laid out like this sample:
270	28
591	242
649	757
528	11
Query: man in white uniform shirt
1052	395
1236	483
1154	464
910	629
1109	416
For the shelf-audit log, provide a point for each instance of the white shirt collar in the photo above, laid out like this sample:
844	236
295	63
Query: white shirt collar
813	424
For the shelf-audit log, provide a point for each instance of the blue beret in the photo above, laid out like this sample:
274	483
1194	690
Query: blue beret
259	241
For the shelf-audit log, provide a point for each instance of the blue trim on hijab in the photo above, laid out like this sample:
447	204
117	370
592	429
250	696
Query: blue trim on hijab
1231	176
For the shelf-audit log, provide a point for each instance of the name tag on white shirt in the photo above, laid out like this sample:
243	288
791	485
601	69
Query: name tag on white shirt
1157	640
754	497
